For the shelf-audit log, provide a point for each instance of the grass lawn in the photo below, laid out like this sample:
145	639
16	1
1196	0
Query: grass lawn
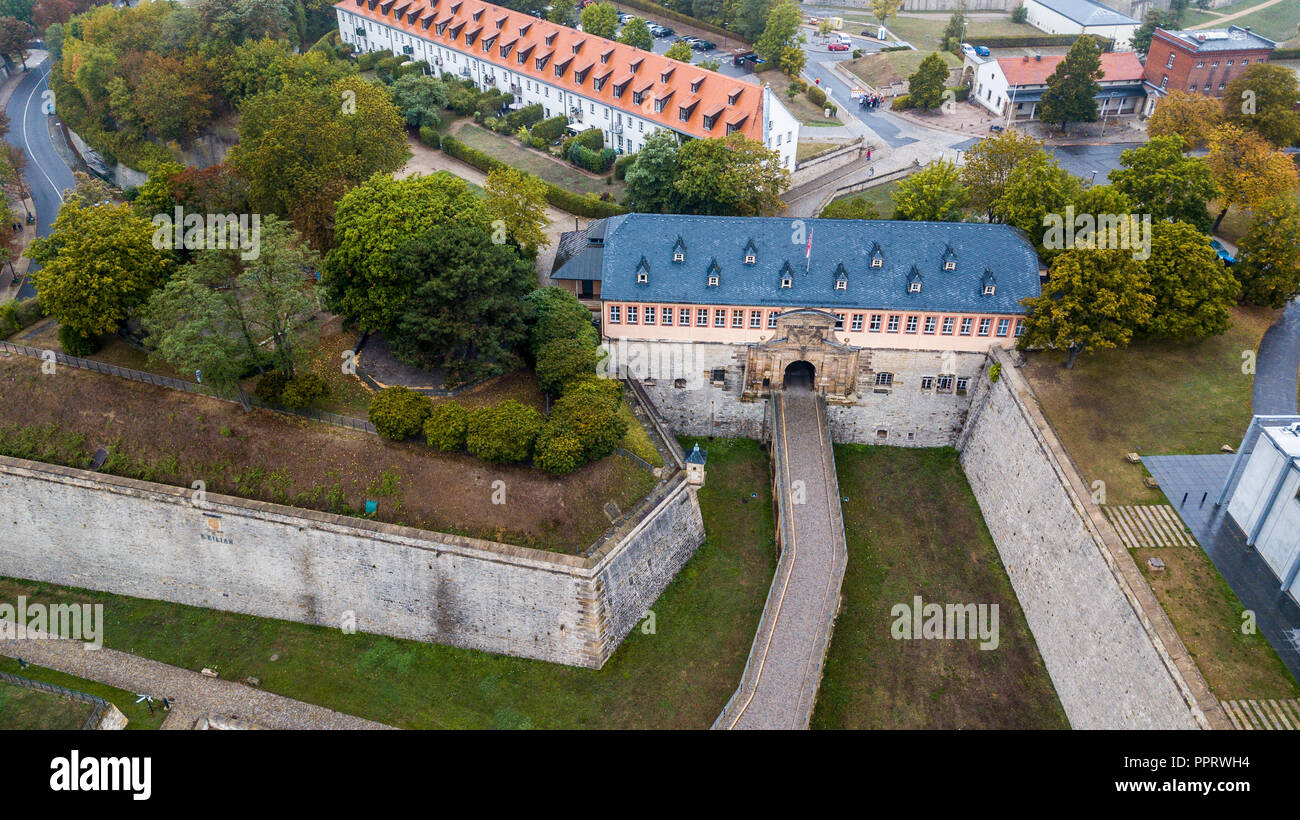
678	677
114	350
879	196
1207	616
548	168
1153	398
914	528
1277	22
137	713
926	33
882	69
808	149
157	434
31	709
800	106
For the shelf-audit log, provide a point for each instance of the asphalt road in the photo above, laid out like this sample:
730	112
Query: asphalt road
46	174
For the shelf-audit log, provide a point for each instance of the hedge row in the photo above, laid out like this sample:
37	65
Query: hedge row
578	204
1039	40
677	17
1285	54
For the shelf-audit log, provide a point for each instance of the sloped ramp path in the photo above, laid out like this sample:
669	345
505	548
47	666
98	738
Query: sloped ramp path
779	686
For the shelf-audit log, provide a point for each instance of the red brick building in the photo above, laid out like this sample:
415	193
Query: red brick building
1200	62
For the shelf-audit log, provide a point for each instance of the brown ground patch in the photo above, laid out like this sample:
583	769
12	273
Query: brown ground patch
165	435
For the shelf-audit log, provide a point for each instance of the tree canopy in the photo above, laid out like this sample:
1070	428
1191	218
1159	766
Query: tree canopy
934	194
1167	184
1072	87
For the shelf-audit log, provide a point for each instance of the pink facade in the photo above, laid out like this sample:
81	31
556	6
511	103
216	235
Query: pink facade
732	324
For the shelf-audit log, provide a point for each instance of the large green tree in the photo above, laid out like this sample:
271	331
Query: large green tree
1193	290
989	163
650	180
600	19
637	34
302	147
780	32
98	264
1269	268
375	219
1167	184
733	176
934	194
465	312
925	86
680	51
1263	99
1037	187
1073	86
516	204
1093	300
420	98
748	17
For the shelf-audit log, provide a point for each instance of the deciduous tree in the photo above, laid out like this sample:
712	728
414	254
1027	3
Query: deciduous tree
1193	289
1072	87
600	19
517	201
989	164
733	176
650	180
1263	99
1190	116
1269	268
637	34
1165	183
933	194
781	31
1247	169
925	86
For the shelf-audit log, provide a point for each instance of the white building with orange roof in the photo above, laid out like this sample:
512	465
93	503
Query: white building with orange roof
626	92
1015	85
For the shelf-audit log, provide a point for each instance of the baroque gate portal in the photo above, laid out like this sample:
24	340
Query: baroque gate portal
806	336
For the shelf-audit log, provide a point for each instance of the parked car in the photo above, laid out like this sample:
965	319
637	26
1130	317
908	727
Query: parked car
982	51
624	17
1226	257
968	49
838	46
704	45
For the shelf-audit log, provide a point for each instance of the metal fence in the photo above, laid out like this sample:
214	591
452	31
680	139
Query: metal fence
145	377
100	705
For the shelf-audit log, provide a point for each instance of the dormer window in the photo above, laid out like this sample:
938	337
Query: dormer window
696	83
713	281
877	262
501	21
787	282
877	256
750	259
715	272
679	251
476	15
455	30
643	272
523	30
913	287
989	290
988	284
550	38
578	46
914	281
665	74
949	258
635	65
841	284
950	265
605	55
733	95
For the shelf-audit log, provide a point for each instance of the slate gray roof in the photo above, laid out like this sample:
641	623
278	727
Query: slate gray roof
1088	13
1234	38
908	250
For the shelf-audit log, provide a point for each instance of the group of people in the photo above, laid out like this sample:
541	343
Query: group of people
869	101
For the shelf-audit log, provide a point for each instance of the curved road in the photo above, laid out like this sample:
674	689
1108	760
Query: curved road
46	174
1276	365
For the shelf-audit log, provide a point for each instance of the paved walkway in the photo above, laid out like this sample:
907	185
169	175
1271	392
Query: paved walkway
193	694
1277	364
780	683
1263	714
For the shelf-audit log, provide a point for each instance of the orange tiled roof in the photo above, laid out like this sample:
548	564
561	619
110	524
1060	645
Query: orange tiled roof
520	35
1115	65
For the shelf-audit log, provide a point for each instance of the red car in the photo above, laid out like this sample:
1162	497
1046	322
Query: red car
838	47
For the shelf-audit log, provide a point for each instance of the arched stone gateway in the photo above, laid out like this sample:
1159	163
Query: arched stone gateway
800	375
802	349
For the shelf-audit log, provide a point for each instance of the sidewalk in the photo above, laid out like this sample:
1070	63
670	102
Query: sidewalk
21	206
192	695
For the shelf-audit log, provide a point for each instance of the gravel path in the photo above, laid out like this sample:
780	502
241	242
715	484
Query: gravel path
781	680
193	694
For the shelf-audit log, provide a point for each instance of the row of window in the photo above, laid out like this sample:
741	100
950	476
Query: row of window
938	384
1201	63
753	319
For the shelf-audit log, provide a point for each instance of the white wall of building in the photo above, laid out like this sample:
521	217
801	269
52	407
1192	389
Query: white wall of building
1053	22
1268	510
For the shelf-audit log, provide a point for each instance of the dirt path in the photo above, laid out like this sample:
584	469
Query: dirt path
194	694
1230	17
425	160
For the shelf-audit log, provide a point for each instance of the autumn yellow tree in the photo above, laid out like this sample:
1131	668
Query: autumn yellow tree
1191	116
1247	169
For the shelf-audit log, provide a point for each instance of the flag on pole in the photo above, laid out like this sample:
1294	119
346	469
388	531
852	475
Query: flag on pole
807	253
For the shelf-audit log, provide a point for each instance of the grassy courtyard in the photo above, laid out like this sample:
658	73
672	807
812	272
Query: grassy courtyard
880	197
914	528
882	69
22	708
549	168
678	677
925	32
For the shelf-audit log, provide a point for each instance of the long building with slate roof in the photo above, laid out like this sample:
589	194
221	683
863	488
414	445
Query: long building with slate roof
909	285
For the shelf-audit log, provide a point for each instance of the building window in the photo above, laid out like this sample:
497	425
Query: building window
893	324
884	380
962	384
965	326
1164	81
771	320
755	319
702	317
944	384
787	282
841	284
930	323
750	259
713	281
911	324
947	325
1170	62
989	290
984	326
950	265
650	316
737	318
839	321
856	325
679	257
927	382
684	317
1020	328
632	314
720	318
1004	326
667	316
615	314
874	327
642	278
882	434
877	262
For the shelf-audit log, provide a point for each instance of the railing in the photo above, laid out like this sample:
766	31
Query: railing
100	705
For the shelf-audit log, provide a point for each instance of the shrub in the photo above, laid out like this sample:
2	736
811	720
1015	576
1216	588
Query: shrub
857	53
75	344
302	390
587	416
563	360
557	452
270	387
367	61
597	162
817	96
592	138
524	117
399	413
901	103
15	316
549	130
962	94
429	136
622	164
445	427
1020	14
503	433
